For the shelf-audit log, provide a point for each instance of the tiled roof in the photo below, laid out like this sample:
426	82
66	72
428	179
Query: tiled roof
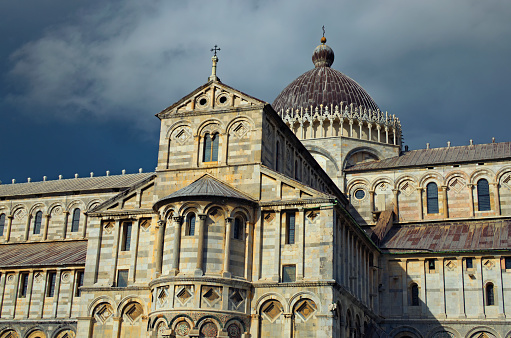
206	186
466	235
436	156
74	184
323	85
43	254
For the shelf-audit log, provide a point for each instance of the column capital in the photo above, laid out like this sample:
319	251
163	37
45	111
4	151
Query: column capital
229	219
10	216
443	187
177	219
202	217
288	315
420	188
47	216
494	183
160	223
470	185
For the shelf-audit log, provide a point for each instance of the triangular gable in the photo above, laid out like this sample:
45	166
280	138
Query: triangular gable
206	186
137	197
213	95
276	186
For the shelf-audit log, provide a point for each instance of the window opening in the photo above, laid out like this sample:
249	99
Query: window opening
126	236
414	294
76	220
238	229
432	198
507	263
191	224
483	195
37	222
469	263
431	264
210	147
288	273
23	285
290	227
52	277
490	297
79	283
2	224
122	278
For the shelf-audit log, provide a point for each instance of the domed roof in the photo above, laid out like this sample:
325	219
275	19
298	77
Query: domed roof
323	85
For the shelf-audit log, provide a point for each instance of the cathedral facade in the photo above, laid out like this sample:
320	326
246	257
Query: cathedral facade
300	218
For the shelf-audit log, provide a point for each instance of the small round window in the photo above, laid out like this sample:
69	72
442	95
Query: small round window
203	102
222	99
360	194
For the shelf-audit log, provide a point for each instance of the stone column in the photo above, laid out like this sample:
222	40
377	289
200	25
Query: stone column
64	226
360	124
84	228
301	241
369	126
159	245
134	250
178	220
3	279
116	327
16	293
199	271
386	134
74	285
227	249
444	198
254	326
351	128
46	225
276	248
470	187
29	292
322	128
378	127
311	124
115	253
248	250
9	227
56	293
394	134
302	130
288	325
396	207
495	188
421	203
27	227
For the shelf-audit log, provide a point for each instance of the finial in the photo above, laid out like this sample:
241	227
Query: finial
215	49
323	39
213	76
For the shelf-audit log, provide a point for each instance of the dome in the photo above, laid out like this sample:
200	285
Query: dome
323	85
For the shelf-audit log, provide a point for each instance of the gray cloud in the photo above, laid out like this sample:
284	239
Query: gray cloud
441	66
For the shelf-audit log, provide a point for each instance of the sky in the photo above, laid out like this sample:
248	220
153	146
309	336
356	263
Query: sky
81	80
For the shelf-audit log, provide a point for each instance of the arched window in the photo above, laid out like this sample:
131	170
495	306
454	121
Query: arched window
290	234
432	198
76	220
483	195
37	222
190	223
238	228
2	224
277	154
490	297
414	294
210	147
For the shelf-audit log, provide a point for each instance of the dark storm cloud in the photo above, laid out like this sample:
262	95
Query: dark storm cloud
440	66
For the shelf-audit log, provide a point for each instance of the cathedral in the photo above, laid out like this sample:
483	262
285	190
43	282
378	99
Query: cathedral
301	218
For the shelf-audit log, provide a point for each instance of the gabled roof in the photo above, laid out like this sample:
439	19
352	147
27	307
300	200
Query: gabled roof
438	156
197	92
466	235
43	254
73	184
206	186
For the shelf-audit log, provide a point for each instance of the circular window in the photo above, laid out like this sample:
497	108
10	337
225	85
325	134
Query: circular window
203	102
360	194
222	99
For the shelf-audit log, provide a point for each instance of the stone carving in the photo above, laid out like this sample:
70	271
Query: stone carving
145	224
182	134
407	188
38	277
20	214
211	295
305	309
451	265
184	293
488	264
57	211
182	328
103	312
10	278
66	276
209	330
109	227
234	331
272	310
240	130
456	185
236	298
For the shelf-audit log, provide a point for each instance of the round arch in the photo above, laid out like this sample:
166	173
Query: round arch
431	176
271	296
